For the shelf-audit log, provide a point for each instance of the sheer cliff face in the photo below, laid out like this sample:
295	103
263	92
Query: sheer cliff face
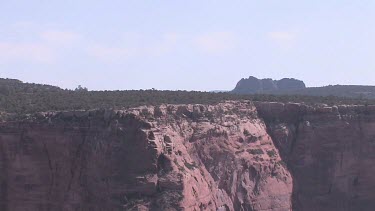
188	157
229	156
329	152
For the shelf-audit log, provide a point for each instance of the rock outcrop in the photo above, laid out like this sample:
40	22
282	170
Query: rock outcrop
328	150
227	156
253	85
171	157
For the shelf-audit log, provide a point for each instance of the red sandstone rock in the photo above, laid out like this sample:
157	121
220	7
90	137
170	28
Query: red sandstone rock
175	157
190	157
330	155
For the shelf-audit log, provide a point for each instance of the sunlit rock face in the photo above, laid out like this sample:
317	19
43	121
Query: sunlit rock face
227	156
171	157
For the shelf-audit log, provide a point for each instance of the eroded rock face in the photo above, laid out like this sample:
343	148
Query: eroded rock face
228	156
171	157
329	151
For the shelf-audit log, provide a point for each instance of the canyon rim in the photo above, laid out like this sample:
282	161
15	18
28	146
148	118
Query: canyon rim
234	155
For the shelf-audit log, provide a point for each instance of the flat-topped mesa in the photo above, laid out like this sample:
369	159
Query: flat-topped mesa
292	112
267	85
193	111
267	110
168	157
234	155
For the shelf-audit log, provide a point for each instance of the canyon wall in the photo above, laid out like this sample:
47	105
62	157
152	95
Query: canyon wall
328	150
187	157
228	156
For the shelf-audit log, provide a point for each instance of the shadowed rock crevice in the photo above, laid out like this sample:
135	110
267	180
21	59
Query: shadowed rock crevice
327	152
3	178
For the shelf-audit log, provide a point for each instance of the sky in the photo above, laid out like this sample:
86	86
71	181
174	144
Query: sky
186	45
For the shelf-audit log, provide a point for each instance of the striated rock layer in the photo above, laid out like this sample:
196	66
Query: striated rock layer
228	156
172	157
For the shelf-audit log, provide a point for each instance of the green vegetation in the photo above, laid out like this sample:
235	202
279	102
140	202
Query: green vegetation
252	139
246	132
255	151
352	91
18	97
271	153
181	168
290	86
190	166
282	163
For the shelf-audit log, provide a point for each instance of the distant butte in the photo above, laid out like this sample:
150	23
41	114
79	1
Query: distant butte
253	85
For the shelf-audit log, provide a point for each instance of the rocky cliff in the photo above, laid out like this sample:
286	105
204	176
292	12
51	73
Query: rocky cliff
227	156
328	150
188	157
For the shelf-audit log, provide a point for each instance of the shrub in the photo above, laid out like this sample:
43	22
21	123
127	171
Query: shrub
271	153
191	166
18	97
246	132
255	151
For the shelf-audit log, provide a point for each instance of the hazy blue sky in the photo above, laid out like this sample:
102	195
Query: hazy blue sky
193	45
